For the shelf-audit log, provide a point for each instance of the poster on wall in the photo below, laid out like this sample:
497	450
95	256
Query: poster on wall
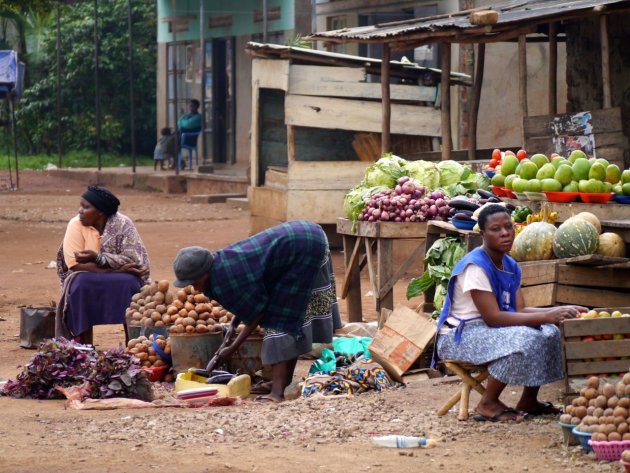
573	132
190	63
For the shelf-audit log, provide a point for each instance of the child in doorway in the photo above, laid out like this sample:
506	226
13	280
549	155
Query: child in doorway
164	149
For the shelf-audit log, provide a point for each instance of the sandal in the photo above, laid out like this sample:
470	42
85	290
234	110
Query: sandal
545	408
266	400
263	387
512	416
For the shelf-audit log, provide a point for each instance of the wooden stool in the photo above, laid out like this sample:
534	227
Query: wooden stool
465	371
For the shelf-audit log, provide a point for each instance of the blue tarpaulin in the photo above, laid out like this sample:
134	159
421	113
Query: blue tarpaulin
8	67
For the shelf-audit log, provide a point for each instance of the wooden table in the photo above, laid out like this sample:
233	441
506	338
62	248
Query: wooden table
370	244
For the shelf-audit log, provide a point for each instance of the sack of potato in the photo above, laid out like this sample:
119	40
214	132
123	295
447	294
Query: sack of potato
603	411
148	307
192	312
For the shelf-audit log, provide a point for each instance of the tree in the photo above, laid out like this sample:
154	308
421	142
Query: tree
37	113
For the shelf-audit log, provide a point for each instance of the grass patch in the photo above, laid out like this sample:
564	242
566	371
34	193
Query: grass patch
73	159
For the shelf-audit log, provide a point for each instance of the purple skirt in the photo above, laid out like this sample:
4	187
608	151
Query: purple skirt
99	299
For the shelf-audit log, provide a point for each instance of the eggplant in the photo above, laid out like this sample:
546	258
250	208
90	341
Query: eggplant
465	212
452	211
484	194
462	216
461	204
494	200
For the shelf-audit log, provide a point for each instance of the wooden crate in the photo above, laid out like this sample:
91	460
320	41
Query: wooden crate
588	348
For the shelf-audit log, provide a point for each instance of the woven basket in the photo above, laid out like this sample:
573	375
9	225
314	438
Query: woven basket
609	451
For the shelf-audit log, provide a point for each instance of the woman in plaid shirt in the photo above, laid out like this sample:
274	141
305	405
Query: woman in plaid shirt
280	279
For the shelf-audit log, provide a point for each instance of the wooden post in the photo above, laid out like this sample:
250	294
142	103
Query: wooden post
522	82
386	103
445	89
353	273
603	32
384	255
476	95
553	68
290	143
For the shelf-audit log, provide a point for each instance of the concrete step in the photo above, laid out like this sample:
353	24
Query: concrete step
213	198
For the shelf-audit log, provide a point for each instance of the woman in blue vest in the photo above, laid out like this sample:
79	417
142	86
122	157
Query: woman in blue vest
484	321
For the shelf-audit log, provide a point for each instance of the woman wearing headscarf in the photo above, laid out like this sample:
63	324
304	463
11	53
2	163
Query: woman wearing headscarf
101	263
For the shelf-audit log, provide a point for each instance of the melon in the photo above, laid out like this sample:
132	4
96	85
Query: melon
592	218
611	244
534	243
575	237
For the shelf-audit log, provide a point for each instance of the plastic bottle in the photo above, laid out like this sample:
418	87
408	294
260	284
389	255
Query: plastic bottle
403	441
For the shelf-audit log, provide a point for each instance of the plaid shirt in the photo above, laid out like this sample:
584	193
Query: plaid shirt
270	273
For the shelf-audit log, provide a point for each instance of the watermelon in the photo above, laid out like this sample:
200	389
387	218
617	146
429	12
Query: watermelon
534	242
575	237
611	244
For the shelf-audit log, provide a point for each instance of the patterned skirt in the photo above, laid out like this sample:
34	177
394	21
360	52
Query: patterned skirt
519	355
322	319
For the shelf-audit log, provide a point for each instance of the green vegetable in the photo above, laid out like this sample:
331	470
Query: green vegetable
354	201
385	172
424	172
519	215
439	262
451	172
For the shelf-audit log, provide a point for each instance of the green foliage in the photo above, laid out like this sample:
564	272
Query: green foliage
74	159
37	110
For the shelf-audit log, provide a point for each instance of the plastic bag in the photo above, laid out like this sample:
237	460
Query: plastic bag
325	364
352	345
36	325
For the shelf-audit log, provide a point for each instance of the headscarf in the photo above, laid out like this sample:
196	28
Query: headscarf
102	199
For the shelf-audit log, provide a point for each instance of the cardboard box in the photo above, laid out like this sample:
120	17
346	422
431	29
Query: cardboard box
401	341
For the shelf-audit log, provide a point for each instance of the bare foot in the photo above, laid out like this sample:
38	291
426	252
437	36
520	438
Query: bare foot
269	398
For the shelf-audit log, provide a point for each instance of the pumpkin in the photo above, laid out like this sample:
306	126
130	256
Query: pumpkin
534	242
611	244
575	237
589	217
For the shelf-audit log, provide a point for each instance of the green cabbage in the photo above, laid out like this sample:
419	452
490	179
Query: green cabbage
424	172
385	172
480	180
354	201
450	172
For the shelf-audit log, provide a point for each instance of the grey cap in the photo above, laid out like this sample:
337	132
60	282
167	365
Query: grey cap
190	264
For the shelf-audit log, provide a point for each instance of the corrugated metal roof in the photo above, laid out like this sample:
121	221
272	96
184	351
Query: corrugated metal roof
317	56
456	27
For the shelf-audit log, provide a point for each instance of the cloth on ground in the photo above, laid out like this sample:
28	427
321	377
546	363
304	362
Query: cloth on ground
361	376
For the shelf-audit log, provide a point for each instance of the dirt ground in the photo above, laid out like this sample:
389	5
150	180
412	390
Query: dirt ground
295	436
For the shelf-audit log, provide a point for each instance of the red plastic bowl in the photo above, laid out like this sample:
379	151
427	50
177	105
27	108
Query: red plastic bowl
596	198
562	196
156	373
498	191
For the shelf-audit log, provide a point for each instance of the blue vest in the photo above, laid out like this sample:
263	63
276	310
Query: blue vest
505	284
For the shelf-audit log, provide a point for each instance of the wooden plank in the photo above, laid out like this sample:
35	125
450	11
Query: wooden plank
359	115
605	54
316	205
290	144
596	349
352	265
270	203
603	121
599	277
254	150
372	269
594	367
538	272
540	295
605	143
445	102
384	257
386	103
314	85
590	297
270	74
590	327
418	253
276	178
324	175
393	230
302	76
353	279
595	260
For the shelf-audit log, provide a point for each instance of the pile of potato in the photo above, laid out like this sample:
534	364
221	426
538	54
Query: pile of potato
192	312
148	307
142	348
257	331
603	411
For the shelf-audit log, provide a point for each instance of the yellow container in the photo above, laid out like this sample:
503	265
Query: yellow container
238	386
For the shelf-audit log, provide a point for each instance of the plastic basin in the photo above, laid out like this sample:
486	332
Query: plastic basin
562	196
584	438
595	198
567	434
463	224
609	451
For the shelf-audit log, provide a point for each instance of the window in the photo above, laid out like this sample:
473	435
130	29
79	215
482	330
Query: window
179	71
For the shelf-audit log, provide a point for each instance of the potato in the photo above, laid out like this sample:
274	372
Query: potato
158	363
190	298
240	328
134	305
223	312
183	313
612	401
190	329
151	305
158	323
189	306
182	296
200	298
201	329
136	316
142	309
216	312
620	389
155	315
601	401
146	364
166	319
620	411
625	456
152	358
147	322
140	302
190	289
565	418
167	348
189	321
136	297
624	402
608	390
201	322
158	297
179	304
161	308
223	319
173	328
132	343
179	321
614	436
142	356
163	285
193	315
216	328
161	342
172	310
210	321
199	308
204	316
168	298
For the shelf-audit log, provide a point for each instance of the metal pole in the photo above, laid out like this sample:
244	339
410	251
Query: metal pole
132	107
265	21
202	45
96	87
8	153
59	124
13	128
174	61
